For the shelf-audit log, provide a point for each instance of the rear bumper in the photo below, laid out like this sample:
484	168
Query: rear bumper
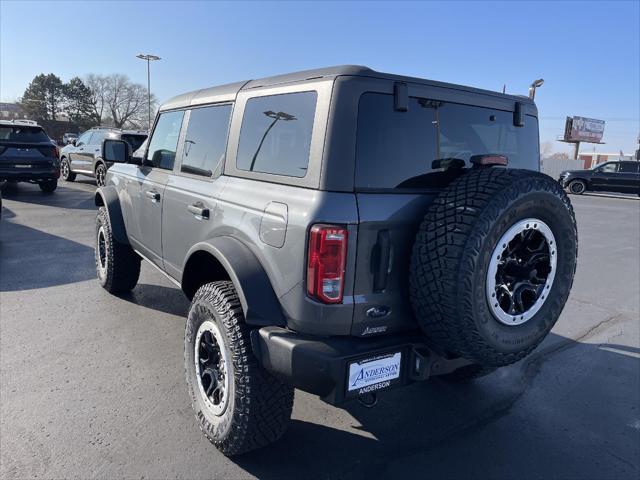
30	175
321	365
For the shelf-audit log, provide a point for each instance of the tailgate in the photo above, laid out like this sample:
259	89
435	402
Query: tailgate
386	233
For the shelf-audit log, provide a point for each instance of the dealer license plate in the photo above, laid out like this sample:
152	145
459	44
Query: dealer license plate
374	373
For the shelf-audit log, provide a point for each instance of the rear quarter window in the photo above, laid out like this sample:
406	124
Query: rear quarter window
275	136
397	149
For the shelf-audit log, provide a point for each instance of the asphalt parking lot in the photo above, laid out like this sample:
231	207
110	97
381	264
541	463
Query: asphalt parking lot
92	385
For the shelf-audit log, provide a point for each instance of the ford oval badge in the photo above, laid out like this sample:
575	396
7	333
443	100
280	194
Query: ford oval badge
377	312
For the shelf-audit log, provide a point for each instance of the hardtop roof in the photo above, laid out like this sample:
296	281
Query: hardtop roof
229	91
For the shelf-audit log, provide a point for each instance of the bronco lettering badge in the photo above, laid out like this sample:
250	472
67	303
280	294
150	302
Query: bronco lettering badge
373	374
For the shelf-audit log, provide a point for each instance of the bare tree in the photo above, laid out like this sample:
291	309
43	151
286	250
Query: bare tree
546	149
118	101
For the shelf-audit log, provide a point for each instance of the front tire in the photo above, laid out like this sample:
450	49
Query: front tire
48	186
65	171
117	265
238	405
577	187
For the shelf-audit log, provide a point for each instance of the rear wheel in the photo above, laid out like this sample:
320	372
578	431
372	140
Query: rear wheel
101	174
239	405
577	187
65	171
48	186
117	265
493	264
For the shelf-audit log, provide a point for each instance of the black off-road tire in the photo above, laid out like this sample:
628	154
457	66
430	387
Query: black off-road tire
118	269
577	187
467	373
48	186
451	257
259	405
65	171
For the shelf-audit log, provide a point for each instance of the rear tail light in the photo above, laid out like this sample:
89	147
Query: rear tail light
326	262
51	151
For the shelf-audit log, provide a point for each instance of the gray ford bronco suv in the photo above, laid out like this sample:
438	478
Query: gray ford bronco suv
341	231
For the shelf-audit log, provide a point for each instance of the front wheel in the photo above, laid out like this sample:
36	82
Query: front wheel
577	187
48	186
101	174
117	265
238	405
65	171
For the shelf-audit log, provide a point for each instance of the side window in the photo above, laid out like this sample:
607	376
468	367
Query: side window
609	168
84	138
164	140
276	133
629	167
98	137
206	139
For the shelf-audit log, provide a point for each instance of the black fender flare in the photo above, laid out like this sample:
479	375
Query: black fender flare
108	197
259	302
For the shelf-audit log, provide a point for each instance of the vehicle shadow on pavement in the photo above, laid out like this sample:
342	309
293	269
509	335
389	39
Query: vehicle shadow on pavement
573	412
50	260
169	300
62	197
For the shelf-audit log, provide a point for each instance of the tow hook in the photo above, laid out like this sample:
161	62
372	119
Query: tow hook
368	400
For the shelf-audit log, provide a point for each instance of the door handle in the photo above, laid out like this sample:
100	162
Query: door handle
199	211
153	195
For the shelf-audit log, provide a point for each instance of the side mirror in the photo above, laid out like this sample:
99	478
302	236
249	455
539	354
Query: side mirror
116	151
72	141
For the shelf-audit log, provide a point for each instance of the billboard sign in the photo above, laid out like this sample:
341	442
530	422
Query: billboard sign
581	129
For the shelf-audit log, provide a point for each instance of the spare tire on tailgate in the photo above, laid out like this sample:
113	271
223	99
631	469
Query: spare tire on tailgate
493	264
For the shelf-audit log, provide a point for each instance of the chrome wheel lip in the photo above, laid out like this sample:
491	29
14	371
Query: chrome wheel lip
101	250
219	408
65	169
520	226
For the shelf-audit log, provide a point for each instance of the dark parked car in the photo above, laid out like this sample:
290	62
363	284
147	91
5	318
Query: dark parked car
27	155
622	177
83	155
342	231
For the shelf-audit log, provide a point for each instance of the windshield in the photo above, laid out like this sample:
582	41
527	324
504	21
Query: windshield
134	140
23	134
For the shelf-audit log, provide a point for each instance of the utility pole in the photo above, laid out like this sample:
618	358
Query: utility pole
148	58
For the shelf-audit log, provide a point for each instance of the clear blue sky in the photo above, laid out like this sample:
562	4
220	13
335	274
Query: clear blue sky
587	52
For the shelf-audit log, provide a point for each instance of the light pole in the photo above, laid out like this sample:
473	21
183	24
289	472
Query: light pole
532	88
148	58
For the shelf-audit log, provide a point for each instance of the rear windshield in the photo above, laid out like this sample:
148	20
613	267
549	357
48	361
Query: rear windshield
397	149
134	140
23	134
